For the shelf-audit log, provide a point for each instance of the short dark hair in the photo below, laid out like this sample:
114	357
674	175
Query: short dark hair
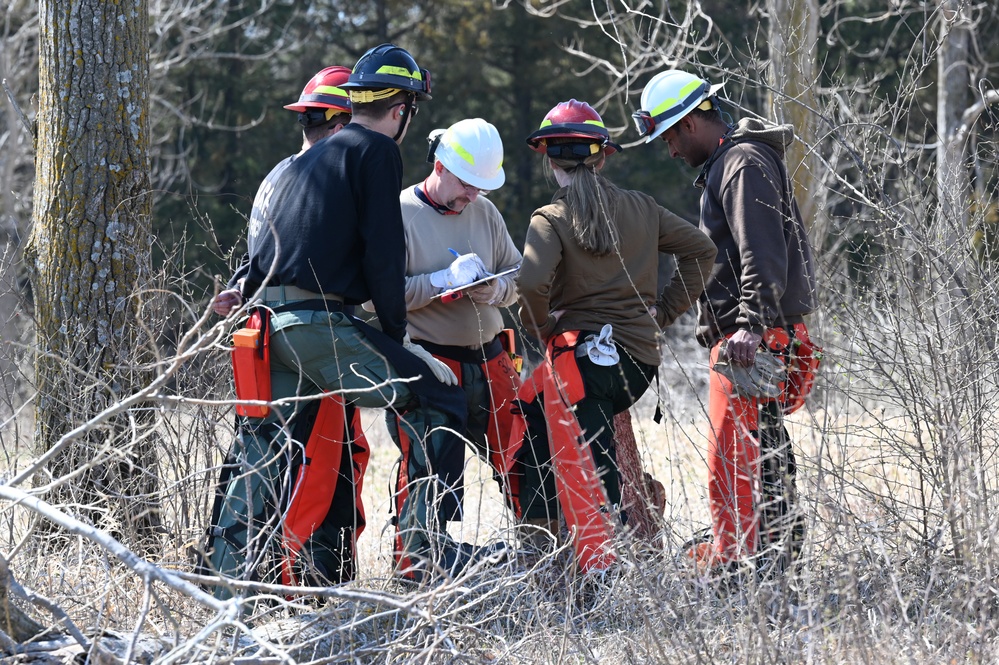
712	114
318	132
380	107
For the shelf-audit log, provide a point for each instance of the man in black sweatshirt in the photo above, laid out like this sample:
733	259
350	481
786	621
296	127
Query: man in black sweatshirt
755	301
332	238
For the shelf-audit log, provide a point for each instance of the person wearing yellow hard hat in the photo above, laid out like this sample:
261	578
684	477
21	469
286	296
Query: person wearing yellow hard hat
759	292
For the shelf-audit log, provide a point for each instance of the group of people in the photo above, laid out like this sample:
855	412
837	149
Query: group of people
332	229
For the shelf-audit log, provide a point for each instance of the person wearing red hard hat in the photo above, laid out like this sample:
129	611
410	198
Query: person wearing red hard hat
755	303
589	290
323	109
573	120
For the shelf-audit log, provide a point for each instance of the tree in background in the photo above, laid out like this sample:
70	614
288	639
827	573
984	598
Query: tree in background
88	257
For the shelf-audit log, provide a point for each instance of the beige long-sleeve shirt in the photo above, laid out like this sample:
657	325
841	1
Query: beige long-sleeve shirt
619	288
430	236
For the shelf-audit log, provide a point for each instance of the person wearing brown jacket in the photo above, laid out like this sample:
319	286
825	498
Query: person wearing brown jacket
588	285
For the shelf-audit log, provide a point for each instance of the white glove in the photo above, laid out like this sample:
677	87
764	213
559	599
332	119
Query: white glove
440	371
463	270
600	349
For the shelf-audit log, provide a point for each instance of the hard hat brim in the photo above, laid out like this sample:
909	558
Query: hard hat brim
302	108
489	184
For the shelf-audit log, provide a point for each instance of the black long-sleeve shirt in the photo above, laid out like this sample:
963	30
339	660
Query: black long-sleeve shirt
334	225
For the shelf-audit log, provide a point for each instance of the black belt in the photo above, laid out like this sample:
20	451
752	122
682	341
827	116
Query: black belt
316	305
463	354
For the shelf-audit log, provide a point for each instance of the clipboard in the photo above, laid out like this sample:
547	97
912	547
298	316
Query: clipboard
454	294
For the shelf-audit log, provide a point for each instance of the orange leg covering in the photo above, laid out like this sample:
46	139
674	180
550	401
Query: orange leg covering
733	469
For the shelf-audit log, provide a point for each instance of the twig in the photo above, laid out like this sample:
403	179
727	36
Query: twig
141	567
38	599
17	109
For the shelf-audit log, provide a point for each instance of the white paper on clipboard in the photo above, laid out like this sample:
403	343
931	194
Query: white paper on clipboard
483	280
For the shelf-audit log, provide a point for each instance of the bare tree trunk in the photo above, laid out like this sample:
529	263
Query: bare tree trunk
89	253
18	71
794	35
642	496
953	91
954	198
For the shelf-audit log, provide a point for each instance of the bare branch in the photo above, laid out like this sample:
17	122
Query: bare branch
17	109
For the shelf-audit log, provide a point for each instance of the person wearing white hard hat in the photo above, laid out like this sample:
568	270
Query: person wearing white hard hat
759	292
455	236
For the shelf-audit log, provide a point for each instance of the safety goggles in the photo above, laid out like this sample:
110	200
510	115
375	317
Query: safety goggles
647	123
572	150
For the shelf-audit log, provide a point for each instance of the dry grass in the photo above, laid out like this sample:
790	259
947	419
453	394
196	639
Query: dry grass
868	590
897	472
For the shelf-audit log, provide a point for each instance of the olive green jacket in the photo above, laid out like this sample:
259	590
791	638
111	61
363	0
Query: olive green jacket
619	288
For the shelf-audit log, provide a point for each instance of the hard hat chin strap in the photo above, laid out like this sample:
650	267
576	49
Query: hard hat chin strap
404	118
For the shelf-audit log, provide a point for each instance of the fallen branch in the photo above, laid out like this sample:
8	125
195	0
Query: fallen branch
136	563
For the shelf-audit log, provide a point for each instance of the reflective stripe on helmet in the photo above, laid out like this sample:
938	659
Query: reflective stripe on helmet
670	107
547	123
329	90
460	151
399	71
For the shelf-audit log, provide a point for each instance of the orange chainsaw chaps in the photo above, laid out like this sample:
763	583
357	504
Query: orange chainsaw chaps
404	565
316	481
504	382
580	492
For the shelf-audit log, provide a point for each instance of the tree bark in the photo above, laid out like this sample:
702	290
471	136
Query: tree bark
89	253
794	30
642	496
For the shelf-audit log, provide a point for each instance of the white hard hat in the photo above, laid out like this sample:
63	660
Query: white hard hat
473	151
669	96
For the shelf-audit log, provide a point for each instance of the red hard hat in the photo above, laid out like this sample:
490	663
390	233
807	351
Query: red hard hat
572	119
324	92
